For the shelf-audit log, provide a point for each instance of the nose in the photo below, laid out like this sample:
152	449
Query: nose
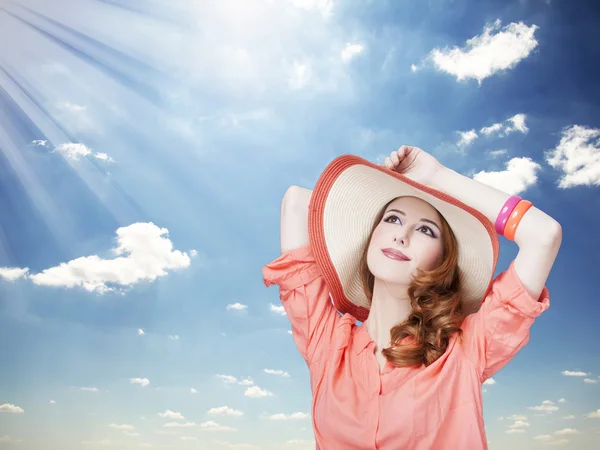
401	238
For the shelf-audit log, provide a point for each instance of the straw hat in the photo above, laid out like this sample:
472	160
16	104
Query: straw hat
345	202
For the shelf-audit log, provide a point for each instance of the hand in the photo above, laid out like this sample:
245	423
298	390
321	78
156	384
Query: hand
414	163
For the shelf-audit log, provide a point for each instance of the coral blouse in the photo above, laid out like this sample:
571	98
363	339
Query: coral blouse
356	406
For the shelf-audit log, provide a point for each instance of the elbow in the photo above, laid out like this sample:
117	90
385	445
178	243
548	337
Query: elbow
295	198
551	236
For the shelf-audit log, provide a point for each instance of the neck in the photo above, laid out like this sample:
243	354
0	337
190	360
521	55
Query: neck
389	307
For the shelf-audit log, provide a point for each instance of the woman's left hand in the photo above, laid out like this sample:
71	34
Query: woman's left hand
414	163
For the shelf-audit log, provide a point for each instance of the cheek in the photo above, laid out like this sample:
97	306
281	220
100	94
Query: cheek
430	257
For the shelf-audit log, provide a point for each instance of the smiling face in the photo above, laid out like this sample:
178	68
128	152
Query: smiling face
408	237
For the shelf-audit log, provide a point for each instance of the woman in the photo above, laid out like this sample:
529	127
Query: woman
409	250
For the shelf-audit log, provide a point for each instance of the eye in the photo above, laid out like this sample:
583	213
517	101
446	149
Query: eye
429	230
392	219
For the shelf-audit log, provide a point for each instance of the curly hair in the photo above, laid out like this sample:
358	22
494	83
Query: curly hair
436	305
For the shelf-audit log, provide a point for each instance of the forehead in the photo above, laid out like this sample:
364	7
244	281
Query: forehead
414	206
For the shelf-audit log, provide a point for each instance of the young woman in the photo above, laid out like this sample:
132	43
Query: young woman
409	250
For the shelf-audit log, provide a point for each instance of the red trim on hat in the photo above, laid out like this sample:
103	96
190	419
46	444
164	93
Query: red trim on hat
317	235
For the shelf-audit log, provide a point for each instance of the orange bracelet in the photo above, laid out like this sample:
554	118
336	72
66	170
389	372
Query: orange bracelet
515	218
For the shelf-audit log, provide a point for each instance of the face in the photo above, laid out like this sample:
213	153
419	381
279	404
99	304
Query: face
408	237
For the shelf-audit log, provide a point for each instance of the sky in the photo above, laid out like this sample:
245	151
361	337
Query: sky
145	147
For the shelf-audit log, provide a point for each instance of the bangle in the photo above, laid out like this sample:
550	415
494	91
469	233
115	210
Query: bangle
515	219
505	213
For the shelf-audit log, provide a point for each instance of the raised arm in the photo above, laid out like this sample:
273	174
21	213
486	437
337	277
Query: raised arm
294	218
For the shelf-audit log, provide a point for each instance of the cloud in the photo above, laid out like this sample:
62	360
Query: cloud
179	425
214	426
489	381
123	427
546	406
40	143
140	332
496	49
512	124
256	392
193	391
594	414
236	307
168	414
577	155
277	372
351	51
466	138
496	153
174	337
519	424
293	416
520	174
569	417
13	273
10	408
141	381
52	402
143	252
589	381
561	400
90	389
517	417
515	430
225	411
75	151
574	373
566	431
277	309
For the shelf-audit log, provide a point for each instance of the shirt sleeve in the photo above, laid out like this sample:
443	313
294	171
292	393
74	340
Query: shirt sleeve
305	298
493	335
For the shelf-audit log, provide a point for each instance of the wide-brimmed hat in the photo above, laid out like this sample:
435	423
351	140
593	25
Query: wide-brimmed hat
350	193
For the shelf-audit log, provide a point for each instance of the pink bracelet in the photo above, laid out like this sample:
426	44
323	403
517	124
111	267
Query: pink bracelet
505	213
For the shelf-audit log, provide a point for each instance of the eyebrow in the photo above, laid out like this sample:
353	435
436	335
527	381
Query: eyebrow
422	219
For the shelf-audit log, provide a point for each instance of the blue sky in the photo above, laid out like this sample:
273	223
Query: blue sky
144	150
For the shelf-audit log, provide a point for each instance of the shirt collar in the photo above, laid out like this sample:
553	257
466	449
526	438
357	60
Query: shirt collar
361	338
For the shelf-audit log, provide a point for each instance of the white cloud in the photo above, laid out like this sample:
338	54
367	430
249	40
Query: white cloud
561	400
590	381
225	411
520	174
299	74
496	50
543	437
578	157
13	273
293	416
515	430
256	392
52	402
517	417
140	332
350	51
143	252
90	389
519	424
277	309
227	378
466	138
489	381
594	414
566	431
179	425
574	373
324	7
236	307
214	426
141	381
10	408
496	153
123	427
40	143
277	372
193	391
168	414
174	337
73	150
512	124
546	406
569	417
104	157
247	382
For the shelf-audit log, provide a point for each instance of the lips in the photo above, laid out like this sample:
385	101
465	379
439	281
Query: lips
395	254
